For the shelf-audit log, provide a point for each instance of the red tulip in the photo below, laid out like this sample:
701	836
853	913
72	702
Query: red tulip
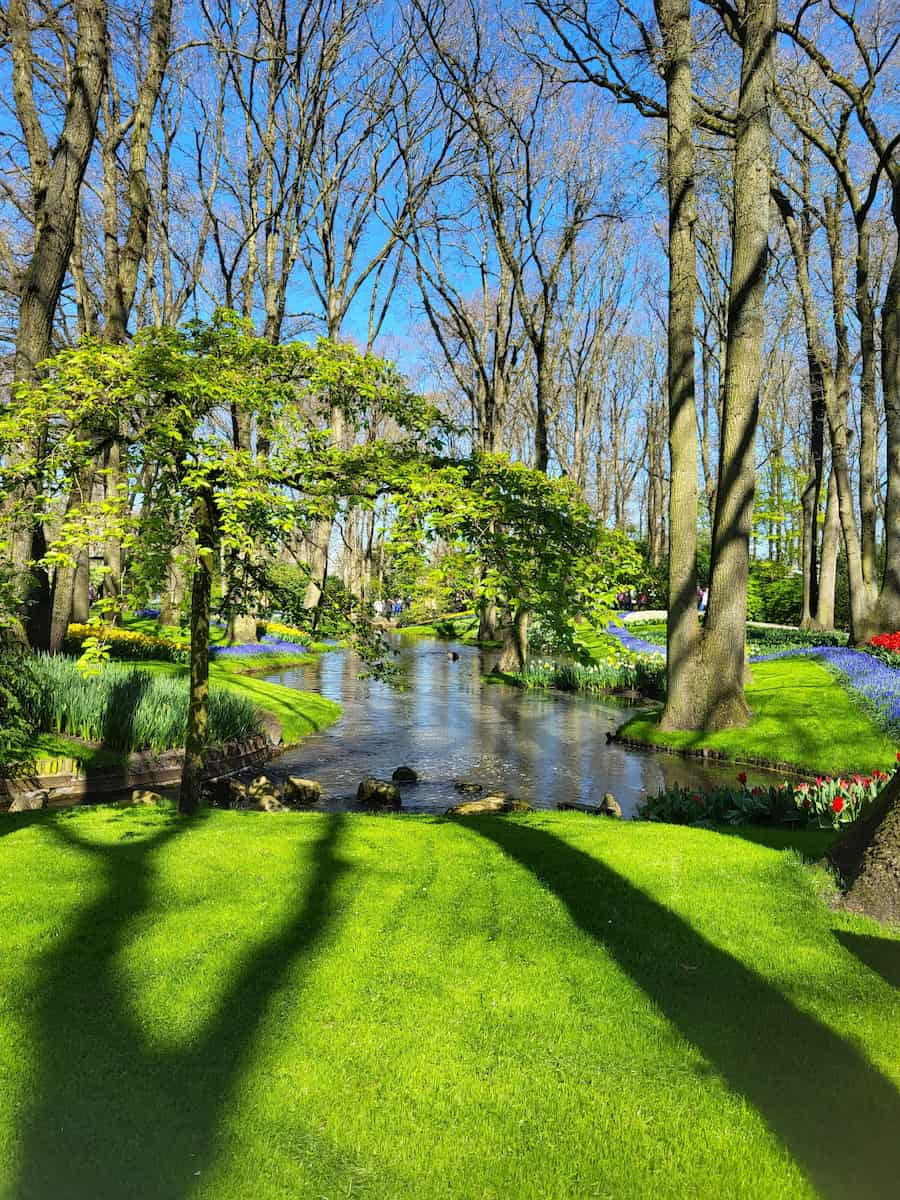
837	804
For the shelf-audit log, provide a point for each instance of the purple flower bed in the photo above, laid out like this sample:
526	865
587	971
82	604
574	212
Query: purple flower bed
635	644
147	613
268	645
870	678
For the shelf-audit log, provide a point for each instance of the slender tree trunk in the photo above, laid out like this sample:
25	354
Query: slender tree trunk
683	632
198	701
868	411
888	609
831	541
722	699
811	493
81	595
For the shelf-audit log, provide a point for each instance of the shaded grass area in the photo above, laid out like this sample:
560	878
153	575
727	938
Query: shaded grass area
801	715
545	1006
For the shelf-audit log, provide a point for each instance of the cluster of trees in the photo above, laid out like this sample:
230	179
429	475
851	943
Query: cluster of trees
496	193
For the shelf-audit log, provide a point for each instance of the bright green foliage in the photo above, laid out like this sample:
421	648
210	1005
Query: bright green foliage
524	541
18	705
544	1007
801	715
158	396
127	708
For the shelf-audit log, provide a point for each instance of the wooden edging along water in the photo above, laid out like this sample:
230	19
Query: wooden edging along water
716	756
143	771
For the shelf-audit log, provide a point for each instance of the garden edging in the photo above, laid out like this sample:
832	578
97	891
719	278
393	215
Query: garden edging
704	752
144	771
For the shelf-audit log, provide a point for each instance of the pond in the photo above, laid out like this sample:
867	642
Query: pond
546	747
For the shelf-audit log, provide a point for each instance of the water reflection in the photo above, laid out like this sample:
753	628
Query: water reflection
547	747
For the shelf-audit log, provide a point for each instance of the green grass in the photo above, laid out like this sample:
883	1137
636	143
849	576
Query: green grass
801	715
300	713
543	1007
41	747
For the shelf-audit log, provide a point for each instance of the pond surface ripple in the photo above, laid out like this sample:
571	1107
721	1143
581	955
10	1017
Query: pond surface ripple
548	748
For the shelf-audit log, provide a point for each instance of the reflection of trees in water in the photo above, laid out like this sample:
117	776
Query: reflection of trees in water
448	723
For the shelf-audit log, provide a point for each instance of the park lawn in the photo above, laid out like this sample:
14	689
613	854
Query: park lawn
801	715
546	1006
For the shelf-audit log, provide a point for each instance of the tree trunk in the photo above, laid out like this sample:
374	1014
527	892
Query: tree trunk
198	700
683	634
811	493
56	187
868	858
241	628
831	541
721	702
514	655
888	608
112	547
81	597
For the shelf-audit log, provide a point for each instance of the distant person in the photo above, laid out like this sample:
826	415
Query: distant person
379	608
704	600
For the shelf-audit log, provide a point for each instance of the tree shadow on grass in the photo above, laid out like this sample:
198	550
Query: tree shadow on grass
835	1113
112	1116
881	955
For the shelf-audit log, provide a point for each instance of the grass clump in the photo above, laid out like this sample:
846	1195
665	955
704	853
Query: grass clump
634	673
127	708
543	1007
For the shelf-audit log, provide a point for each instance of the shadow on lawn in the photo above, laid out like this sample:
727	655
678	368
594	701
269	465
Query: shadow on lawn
113	1117
834	1112
881	955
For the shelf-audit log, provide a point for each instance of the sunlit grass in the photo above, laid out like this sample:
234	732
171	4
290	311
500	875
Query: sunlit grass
801	715
545	1006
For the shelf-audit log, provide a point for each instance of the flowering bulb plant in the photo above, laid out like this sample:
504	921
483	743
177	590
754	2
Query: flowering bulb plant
824	802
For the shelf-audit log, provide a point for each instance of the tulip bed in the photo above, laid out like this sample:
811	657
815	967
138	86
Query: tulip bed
825	802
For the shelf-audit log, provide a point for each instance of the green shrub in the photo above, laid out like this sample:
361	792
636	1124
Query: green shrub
19	699
128	709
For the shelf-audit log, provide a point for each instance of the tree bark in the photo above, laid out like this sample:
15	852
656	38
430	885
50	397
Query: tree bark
831	540
868	858
888	608
683	632
56	186
198	700
722	701
514	654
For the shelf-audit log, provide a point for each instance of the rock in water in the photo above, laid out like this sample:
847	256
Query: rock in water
468	787
611	806
501	802
29	801
378	793
405	775
227	793
262	796
302	791
141	796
